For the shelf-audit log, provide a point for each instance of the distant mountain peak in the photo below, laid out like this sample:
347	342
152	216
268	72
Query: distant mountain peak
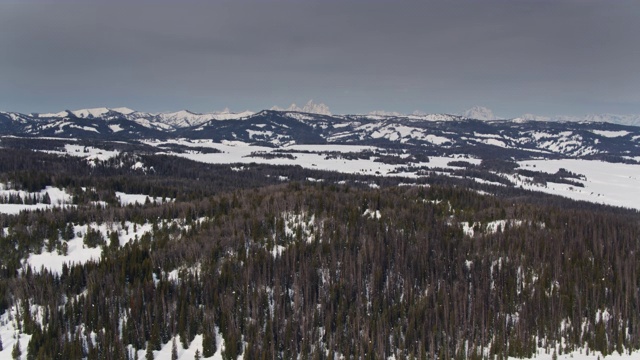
629	119
310	107
385	113
479	113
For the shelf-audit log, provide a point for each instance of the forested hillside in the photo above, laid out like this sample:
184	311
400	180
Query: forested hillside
269	262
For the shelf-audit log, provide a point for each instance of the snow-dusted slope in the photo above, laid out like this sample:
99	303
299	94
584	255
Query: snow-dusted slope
383	115
172	120
92	113
186	118
87	113
630	119
183	118
432	133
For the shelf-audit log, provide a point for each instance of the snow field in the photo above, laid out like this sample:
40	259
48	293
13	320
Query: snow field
10	335
309	156
614	184
606	183
59	198
138	199
89	152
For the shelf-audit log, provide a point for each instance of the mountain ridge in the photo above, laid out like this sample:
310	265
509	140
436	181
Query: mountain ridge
186	118
430	134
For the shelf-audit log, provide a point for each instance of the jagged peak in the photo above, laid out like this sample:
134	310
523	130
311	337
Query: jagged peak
310	107
480	113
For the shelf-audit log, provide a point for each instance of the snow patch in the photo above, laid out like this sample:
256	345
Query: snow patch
372	214
59	198
491	227
138	199
115	128
614	184
611	134
78	253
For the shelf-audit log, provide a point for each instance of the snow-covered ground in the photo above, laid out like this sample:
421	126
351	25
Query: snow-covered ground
139	199
614	184
58	198
90	153
488	228
606	183
308	156
581	354
610	134
13	209
10	335
186	354
78	252
372	214
302	224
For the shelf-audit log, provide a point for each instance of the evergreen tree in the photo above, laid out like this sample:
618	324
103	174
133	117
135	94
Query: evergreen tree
174	349
114	240
93	238
68	232
149	353
16	352
208	343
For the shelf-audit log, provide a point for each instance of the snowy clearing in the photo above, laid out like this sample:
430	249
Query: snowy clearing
58	198
606	183
610	134
91	154
138	199
78	252
309	156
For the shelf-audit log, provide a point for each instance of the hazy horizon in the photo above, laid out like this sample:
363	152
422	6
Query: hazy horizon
548	58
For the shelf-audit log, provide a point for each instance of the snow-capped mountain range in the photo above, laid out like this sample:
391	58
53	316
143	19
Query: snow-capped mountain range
187	118
523	138
483	113
630	119
88	113
386	143
178	119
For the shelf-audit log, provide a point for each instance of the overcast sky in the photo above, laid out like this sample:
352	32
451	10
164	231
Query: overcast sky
568	57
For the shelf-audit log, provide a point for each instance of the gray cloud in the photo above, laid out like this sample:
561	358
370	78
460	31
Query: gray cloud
568	57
